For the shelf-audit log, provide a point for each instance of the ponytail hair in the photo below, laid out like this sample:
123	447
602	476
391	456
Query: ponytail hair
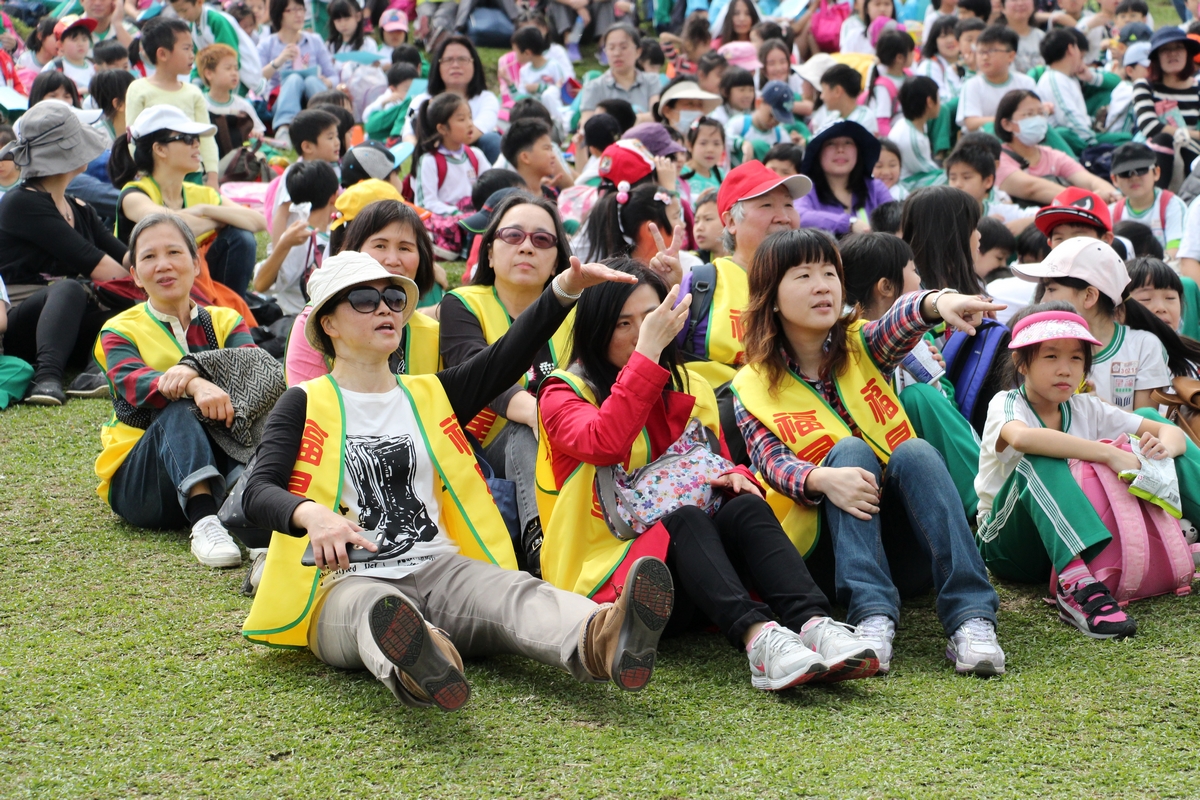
43	31
433	112
1182	352
615	220
124	167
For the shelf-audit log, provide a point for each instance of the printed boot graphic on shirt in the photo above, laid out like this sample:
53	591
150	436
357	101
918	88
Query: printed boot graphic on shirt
380	469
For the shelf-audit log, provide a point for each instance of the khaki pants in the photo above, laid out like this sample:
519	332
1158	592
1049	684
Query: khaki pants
484	610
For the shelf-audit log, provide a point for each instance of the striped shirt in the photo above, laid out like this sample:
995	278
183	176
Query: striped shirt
888	339
1149	119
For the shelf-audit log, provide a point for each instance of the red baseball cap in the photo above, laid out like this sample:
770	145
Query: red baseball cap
753	179
73	21
1074	206
626	160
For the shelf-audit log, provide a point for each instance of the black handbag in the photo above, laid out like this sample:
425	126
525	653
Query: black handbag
234	518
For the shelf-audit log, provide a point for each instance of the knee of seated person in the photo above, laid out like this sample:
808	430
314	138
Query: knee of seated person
917	452
851	452
745	503
686	519
73	290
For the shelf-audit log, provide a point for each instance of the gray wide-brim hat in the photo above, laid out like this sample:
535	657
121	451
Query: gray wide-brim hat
52	141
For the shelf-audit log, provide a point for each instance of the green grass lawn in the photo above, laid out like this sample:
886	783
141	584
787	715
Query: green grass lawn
122	673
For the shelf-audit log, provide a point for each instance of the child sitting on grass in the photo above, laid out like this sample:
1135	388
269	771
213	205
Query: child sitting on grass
888	169
996	246
737	91
529	149
1135	172
895	53
446	124
973	169
75	41
762	128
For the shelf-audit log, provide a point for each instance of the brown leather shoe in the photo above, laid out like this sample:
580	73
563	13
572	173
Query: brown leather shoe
620	641
429	665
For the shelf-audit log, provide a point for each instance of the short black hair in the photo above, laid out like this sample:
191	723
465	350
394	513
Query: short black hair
408	54
982	9
710	61
1032	244
1055	45
162	32
529	39
977	158
7	134
733	78
1141	236
601	130
330	97
886	216
999	34
491	181
621	110
109	51
652	53
993	233
984	141
401	72
786	151
530	108
915	95
76	33
345	119
893	44
521	136
108	86
1133	7
769	30
309	124
842	75
971	23
313	182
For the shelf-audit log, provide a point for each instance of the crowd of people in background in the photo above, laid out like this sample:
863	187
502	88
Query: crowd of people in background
784	309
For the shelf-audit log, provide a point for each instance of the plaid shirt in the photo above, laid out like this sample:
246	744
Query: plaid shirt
889	339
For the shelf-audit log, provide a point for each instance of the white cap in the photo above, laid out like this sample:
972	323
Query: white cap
167	118
1084	259
350	268
1137	53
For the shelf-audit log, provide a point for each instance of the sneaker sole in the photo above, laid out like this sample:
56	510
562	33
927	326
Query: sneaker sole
1072	618
42	400
983	669
862	664
403	637
219	562
796	679
89	394
652	596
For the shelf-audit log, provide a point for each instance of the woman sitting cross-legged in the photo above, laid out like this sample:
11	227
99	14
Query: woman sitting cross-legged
624	401
166	149
366	457
821	422
160	467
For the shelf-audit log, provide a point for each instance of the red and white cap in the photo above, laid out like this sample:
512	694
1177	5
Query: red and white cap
1046	326
626	160
753	179
1085	259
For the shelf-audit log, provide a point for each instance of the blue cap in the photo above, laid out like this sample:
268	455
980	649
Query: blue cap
778	95
1135	32
1169	35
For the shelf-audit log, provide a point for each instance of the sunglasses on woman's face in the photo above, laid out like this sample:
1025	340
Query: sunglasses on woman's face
515	236
187	138
366	299
1133	173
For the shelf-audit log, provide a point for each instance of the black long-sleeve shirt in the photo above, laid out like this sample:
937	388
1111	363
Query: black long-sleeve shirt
470	386
36	240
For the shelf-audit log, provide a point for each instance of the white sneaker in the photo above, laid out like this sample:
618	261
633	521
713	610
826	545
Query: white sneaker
846	655
879	631
258	559
212	545
778	660
974	649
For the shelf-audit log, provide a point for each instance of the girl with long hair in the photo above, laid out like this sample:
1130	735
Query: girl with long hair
447	168
821	422
855	35
939	223
741	17
840	161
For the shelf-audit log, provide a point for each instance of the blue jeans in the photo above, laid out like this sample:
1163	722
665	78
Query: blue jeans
926	539
293	91
489	143
151	487
231	258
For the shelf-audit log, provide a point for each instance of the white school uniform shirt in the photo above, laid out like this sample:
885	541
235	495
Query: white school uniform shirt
81	76
979	96
1189	246
824	116
1132	361
880	102
916	151
1169	235
1084	416
853	38
1070	109
460	179
236	106
550	74
944	74
1119	119
741	128
286	289
558	54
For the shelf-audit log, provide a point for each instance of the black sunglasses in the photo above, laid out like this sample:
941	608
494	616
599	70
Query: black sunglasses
366	299
1133	173
187	138
514	236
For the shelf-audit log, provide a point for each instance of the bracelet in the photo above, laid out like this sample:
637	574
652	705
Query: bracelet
938	297
561	293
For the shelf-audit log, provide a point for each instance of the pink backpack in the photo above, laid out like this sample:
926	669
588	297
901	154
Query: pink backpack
1148	554
826	25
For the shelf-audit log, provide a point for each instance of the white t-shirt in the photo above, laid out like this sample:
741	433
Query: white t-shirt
549	74
1029	54
824	116
236	107
286	288
1070	109
460	179
390	485
1006	212
853	37
1171	208
81	76
1084	416
943	73
1015	293
1119	118
1132	361
1189	247
979	96
742	129
4	294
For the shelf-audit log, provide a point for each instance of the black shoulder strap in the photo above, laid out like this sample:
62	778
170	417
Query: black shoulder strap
704	283
1021	162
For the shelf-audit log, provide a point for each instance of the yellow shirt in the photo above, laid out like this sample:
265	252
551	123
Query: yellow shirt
143	94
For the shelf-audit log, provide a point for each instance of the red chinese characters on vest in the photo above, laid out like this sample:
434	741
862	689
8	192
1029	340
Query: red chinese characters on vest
455	434
795	425
482	424
312	450
737	331
882	407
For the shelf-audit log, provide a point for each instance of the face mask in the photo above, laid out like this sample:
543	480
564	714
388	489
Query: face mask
1032	130
686	118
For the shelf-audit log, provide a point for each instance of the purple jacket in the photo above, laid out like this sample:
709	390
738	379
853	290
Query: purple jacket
835	218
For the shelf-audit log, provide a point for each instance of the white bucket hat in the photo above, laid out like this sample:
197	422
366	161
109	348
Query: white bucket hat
343	271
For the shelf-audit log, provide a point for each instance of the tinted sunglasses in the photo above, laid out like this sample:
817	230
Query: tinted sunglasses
515	236
1133	173
366	299
187	138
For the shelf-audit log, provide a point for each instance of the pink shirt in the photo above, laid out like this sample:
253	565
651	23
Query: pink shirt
1052	163
302	362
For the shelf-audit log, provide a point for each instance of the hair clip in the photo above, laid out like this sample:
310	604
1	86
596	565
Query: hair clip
622	193
663	196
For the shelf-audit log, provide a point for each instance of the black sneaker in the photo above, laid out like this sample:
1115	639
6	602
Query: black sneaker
46	393
531	544
89	384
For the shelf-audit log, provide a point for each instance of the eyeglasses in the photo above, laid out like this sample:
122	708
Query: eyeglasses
1133	173
515	236
993	51
366	299
187	138
455	60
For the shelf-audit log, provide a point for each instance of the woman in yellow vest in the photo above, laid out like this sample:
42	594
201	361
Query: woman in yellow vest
365	457
521	251
166	149
390	232
158	467
821	422
625	400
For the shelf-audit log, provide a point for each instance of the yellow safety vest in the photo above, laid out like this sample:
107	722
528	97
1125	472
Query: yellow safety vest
579	553
723	340
160	350
194	194
422	353
290	592
802	420
484	303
